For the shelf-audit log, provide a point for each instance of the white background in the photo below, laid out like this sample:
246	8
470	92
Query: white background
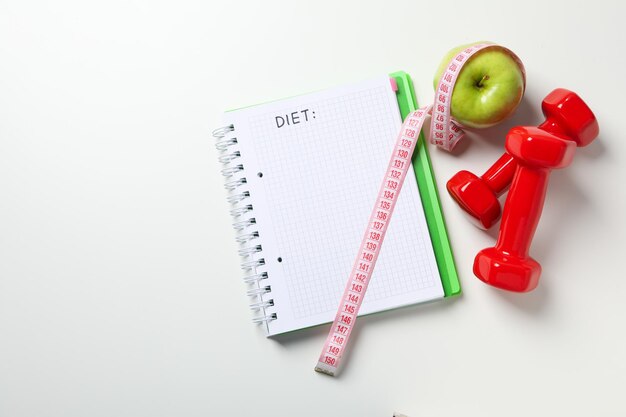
120	291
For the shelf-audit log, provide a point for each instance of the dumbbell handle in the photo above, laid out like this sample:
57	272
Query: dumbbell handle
522	210
499	176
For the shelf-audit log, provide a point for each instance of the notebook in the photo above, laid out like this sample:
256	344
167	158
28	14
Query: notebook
302	174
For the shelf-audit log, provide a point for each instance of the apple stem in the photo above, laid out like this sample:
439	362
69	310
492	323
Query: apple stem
480	83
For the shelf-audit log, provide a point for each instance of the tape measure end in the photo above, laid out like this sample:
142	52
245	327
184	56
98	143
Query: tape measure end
324	369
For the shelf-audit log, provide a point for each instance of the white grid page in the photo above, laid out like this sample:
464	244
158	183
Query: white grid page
320	180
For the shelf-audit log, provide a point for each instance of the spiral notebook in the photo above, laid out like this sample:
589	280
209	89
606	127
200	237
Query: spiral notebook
302	174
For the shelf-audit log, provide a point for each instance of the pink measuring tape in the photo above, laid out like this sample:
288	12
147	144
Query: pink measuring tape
445	133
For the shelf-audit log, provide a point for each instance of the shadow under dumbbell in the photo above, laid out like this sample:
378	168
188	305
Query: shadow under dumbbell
594	151
568	206
532	303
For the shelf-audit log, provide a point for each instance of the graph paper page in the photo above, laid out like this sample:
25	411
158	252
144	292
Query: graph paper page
314	164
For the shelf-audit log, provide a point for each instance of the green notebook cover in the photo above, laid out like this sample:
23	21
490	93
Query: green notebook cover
428	192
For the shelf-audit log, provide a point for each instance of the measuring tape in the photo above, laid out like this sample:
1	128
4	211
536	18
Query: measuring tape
371	244
444	133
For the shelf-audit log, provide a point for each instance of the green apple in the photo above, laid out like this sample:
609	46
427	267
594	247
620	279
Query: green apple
488	89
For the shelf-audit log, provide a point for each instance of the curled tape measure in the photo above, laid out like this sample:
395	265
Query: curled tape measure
444	133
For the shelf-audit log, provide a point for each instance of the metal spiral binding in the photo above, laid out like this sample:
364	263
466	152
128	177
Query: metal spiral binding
253	264
262	304
236	198
243	213
259	291
225	159
264	319
230	171
221	132
249	251
250	279
240	226
223	144
241	239
231	185
240	211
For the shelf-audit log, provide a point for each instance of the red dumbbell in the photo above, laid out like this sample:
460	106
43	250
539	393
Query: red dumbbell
536	151
478	196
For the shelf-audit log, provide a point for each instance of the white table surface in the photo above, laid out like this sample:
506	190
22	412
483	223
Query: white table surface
120	291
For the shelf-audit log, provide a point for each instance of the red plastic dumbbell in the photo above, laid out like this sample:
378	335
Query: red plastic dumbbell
478	196
536	151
